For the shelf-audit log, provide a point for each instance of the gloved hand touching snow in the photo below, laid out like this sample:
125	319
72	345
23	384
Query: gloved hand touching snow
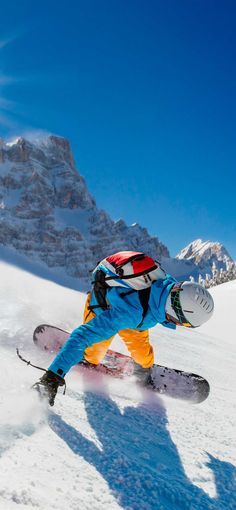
47	386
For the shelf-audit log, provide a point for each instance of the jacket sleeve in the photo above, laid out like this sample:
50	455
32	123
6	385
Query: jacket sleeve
102	327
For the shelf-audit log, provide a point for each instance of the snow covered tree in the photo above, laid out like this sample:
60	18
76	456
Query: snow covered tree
217	276
220	276
201	280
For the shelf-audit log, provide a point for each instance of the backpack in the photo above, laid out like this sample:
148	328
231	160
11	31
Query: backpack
129	269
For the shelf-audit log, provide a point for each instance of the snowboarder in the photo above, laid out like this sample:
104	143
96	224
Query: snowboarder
130	294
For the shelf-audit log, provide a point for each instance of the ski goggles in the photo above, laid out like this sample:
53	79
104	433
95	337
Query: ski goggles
176	305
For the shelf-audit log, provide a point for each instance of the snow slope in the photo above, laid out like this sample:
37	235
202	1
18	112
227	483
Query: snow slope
114	447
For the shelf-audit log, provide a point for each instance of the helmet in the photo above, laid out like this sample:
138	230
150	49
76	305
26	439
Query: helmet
189	304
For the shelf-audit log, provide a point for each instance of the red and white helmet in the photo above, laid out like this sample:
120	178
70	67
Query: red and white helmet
189	304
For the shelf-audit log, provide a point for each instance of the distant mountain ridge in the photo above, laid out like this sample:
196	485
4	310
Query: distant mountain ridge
48	215
205	254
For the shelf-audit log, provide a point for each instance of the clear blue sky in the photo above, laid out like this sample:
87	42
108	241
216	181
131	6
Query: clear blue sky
146	93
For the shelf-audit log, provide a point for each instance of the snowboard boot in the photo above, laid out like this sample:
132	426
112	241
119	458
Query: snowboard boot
47	386
143	375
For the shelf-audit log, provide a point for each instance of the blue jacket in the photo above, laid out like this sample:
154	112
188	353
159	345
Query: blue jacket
125	312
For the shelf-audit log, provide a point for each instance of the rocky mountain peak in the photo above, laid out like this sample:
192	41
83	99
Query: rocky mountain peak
60	148
48	214
204	254
50	150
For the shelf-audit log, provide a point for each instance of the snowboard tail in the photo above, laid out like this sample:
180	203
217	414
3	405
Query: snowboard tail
167	381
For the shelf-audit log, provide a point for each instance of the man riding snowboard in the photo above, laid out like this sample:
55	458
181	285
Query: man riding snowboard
130	294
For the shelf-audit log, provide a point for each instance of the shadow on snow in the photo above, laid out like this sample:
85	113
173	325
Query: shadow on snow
139	460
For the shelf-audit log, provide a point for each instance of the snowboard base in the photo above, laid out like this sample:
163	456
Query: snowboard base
167	381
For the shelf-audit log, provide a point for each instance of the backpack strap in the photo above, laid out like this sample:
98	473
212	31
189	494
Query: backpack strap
144	295
100	290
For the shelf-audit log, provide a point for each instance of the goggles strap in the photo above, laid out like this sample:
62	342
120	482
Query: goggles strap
176	305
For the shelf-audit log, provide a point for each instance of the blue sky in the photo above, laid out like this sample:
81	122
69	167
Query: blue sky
145	92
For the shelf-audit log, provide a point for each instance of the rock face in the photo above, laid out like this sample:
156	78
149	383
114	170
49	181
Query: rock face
48	214
205	255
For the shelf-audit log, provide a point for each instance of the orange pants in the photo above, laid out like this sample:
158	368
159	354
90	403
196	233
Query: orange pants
137	343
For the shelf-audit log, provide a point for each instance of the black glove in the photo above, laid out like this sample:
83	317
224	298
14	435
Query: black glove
48	384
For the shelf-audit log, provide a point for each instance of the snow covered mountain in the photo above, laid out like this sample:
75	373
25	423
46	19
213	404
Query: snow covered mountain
206	254
106	444
48	214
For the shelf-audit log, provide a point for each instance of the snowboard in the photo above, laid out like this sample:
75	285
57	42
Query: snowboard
166	381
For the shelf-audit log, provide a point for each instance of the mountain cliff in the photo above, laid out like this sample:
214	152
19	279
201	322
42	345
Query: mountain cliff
48	214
